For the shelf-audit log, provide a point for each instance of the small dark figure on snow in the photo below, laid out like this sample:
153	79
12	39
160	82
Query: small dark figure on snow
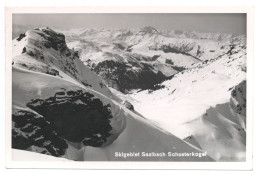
128	105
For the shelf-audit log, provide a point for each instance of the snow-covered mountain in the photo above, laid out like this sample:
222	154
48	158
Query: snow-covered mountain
62	108
43	50
204	104
141	58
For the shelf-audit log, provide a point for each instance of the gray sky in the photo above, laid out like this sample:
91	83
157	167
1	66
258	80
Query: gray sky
224	23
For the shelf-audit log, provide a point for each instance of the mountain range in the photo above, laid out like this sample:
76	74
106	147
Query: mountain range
84	94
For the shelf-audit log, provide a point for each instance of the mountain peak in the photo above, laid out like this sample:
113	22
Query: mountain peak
48	38
149	30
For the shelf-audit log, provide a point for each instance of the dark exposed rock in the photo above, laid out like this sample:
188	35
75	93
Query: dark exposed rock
31	129
24	50
68	54
230	51
21	37
244	68
128	105
168	61
239	94
156	87
129	49
76	54
76	116
199	51
31	53
178	68
155	57
118	45
34	53
60	93
52	71
85	83
53	40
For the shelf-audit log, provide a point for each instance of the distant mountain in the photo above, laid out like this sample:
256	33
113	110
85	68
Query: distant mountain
140	59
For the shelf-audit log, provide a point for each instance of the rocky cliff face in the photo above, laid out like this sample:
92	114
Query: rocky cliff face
32	131
238	99
76	116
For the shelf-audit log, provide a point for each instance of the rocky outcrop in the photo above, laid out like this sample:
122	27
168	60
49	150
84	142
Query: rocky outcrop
32	131
21	36
238	100
47	124
128	105
76	116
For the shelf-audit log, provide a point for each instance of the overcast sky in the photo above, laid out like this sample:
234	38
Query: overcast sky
224	23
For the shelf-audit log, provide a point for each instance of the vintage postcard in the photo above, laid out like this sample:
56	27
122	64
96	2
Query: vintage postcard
129	88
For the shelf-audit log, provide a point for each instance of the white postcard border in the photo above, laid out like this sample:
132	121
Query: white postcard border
247	165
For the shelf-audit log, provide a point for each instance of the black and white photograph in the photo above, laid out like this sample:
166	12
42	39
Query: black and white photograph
129	87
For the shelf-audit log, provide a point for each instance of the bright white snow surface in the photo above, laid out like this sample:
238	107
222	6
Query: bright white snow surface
181	106
130	133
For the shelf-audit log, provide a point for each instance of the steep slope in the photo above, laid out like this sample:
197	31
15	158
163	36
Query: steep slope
61	109
73	114
89	133
43	50
224	127
196	102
